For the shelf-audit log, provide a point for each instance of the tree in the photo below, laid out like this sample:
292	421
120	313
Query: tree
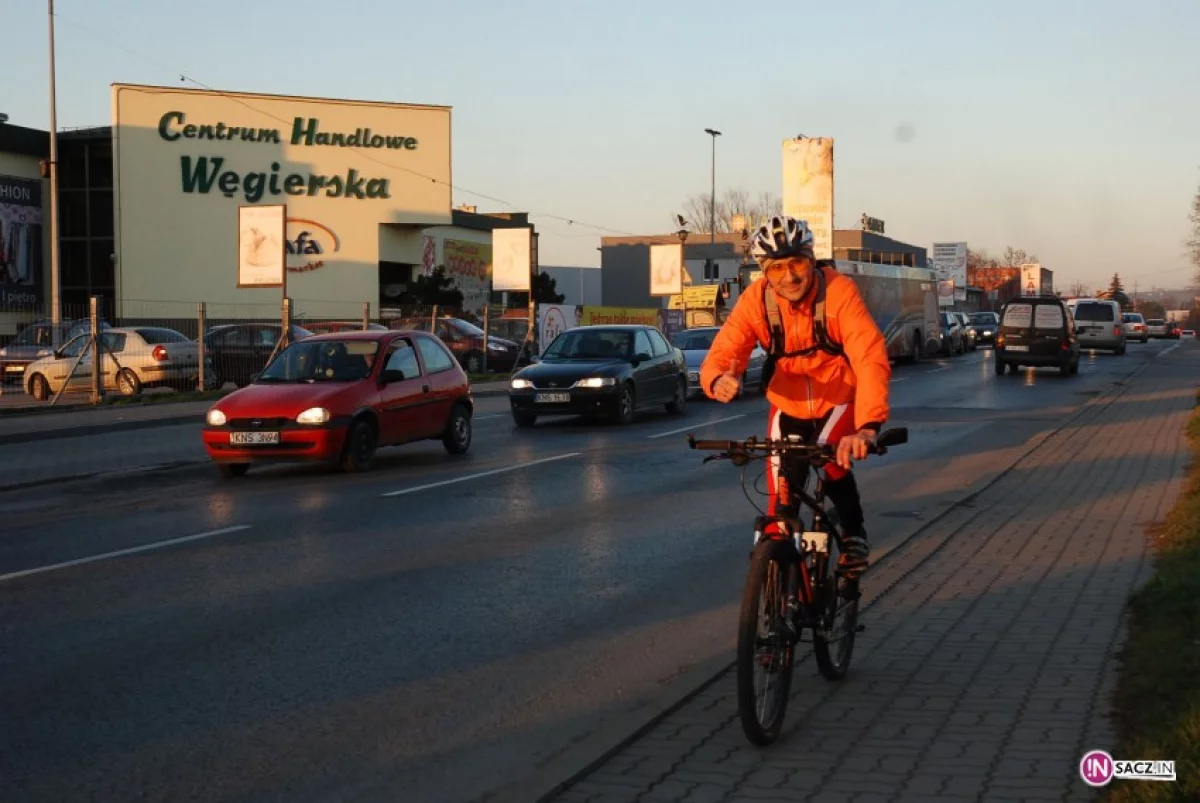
1193	241
1151	309
1016	257
1116	292
697	210
436	288
1080	290
545	289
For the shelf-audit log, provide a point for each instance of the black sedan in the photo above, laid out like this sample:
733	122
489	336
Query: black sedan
611	371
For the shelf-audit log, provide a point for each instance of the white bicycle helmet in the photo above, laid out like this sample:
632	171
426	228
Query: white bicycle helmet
780	237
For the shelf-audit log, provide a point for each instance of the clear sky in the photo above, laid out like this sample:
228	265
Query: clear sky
1070	128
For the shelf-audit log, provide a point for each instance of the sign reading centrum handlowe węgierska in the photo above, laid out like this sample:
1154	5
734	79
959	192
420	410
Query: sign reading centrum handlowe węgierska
201	174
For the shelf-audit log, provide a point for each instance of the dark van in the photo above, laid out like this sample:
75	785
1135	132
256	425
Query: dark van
1037	331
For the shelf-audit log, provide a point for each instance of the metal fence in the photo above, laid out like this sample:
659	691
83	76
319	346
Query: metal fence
157	344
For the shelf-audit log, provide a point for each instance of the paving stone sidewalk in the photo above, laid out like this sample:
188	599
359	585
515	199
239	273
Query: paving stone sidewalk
987	665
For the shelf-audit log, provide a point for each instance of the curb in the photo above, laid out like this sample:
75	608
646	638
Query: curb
120	426
593	750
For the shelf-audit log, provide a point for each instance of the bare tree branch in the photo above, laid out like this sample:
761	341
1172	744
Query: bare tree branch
1193	242
698	208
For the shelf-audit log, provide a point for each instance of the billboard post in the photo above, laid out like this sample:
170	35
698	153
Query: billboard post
262	257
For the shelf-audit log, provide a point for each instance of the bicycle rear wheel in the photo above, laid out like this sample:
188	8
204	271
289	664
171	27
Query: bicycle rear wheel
765	650
836	600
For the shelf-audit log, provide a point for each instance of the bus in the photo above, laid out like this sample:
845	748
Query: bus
902	300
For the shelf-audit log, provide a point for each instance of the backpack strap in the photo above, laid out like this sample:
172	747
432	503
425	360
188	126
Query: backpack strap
821	339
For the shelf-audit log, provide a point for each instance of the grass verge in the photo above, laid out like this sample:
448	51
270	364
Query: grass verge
1158	691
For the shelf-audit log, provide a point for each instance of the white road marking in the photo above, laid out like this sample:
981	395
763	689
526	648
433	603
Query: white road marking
1169	349
485	417
898	379
122	552
413	490
935	370
696	426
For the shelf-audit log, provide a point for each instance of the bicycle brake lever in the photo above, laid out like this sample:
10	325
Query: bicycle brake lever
713	457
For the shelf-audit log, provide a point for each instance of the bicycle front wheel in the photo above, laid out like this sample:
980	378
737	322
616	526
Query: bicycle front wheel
837	606
766	647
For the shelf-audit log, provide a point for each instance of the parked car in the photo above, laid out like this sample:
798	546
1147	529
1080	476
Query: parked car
1037	331
340	397
36	341
241	350
611	371
986	324
1099	324
466	340
131	358
970	335
695	343
323	327
1135	326
954	336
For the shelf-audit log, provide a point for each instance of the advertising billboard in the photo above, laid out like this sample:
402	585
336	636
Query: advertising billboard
808	188
20	241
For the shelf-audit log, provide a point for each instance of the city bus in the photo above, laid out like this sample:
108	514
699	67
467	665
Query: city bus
902	300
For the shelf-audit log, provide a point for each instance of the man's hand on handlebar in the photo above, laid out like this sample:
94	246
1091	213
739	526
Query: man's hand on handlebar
854	447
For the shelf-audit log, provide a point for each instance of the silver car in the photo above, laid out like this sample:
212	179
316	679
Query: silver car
695	343
1100	325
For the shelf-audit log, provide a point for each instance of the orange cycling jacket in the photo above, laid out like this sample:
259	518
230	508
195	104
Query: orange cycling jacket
809	387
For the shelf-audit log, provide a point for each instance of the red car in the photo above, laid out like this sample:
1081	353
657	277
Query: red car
338	397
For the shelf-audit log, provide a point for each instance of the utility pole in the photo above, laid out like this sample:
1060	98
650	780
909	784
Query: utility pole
55	289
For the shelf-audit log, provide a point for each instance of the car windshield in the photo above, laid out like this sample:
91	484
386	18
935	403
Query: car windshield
1094	312
324	361
590	344
700	340
984	318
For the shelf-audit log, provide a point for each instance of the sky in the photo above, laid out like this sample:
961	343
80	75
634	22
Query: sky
1068	128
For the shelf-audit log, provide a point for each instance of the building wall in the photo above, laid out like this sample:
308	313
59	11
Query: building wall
185	160
578	285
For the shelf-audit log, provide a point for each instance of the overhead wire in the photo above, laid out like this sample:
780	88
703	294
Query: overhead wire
371	157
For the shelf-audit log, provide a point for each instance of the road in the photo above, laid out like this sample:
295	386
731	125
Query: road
435	630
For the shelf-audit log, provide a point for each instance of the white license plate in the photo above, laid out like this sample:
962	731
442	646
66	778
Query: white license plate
1018	348
551	398
253	438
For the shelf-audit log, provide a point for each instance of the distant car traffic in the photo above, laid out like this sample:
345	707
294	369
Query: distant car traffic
1037	331
340	397
609	371
695	343
1135	326
1099	325
986	324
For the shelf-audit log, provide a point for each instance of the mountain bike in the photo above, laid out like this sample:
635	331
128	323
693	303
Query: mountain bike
794	583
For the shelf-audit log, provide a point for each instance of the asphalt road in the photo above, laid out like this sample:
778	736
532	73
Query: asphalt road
434	630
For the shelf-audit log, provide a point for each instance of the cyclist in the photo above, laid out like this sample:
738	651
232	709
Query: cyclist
814	392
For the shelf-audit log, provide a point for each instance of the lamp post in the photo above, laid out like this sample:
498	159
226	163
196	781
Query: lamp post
682	234
55	289
710	265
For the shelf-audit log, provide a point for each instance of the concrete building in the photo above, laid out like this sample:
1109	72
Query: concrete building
578	285
149	206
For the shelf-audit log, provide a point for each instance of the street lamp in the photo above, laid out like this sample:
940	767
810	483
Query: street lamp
682	234
712	224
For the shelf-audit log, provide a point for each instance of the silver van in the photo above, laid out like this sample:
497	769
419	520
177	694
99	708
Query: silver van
1100	325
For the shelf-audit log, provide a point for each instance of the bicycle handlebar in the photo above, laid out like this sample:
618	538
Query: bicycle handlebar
794	445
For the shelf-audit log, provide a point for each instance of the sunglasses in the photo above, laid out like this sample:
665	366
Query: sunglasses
797	266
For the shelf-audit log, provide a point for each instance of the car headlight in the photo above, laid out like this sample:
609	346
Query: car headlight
216	418
596	382
3	352
521	384
494	346
987	333
314	415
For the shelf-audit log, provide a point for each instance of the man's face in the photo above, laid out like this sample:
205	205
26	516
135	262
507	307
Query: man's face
790	277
